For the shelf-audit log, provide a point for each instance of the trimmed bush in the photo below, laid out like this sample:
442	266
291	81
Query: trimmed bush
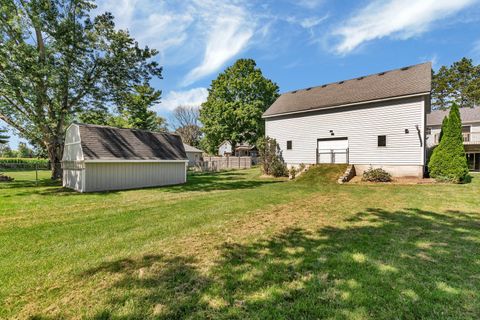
24	163
376	175
271	158
292	172
448	161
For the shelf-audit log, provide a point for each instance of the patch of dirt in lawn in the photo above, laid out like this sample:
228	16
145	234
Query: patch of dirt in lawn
399	180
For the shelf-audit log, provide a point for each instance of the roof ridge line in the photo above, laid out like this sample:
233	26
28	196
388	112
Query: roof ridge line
117	128
351	79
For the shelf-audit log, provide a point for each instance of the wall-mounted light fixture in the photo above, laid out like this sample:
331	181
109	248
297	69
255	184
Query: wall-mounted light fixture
407	131
331	133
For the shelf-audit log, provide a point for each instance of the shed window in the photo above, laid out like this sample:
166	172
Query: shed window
429	131
289	145
382	141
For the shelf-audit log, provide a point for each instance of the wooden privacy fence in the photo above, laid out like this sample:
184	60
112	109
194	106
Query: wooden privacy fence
223	163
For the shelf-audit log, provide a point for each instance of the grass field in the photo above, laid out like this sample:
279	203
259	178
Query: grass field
234	245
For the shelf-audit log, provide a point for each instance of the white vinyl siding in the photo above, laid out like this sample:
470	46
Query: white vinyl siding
361	125
74	179
475	127
131	175
72	150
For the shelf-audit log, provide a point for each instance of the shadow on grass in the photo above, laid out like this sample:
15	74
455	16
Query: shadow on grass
202	182
405	264
215	181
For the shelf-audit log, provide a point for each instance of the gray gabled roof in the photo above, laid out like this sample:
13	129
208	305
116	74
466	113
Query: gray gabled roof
396	83
468	115
189	148
109	143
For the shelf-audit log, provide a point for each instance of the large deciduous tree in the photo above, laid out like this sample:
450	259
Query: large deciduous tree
235	104
133	112
187	124
458	83
56	61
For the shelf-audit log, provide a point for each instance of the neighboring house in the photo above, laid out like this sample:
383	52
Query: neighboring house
470	129
100	158
242	150
376	120
225	149
246	150
194	155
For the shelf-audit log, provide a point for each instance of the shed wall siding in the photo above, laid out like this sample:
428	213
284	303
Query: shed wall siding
117	176
361	125
73	179
72	150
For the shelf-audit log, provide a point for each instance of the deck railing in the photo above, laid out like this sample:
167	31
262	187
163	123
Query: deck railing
468	138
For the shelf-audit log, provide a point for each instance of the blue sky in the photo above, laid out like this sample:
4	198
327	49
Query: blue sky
297	44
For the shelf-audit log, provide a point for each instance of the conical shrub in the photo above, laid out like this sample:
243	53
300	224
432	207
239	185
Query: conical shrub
448	161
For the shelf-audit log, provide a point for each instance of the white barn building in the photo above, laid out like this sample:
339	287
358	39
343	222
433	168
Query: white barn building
377	120
101	158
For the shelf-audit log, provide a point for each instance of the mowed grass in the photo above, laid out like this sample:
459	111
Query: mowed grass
235	245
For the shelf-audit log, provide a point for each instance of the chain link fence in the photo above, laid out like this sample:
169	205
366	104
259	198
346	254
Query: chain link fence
32	170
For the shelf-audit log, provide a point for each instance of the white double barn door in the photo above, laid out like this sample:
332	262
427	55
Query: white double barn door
333	150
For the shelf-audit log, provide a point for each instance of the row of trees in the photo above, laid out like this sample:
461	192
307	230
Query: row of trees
22	151
458	83
59	64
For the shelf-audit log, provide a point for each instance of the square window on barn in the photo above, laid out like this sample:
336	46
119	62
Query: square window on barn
289	145
382	141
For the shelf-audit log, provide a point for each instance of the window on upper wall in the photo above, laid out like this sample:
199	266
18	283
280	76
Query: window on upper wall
428	131
289	145
382	141
466	129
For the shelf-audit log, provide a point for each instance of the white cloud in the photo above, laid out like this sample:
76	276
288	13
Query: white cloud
476	50
205	32
432	58
192	98
157	24
228	34
309	4
311	22
398	18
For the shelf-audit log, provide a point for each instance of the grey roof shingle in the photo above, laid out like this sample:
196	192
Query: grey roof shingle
410	80
467	115
109	143
189	148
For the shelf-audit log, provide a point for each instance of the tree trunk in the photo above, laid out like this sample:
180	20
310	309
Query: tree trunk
55	153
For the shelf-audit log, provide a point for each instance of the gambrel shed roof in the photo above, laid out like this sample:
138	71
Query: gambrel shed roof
109	143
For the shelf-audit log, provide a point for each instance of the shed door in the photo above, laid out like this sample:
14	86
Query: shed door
332	150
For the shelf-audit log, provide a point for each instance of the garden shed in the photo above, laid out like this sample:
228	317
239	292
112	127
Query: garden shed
101	158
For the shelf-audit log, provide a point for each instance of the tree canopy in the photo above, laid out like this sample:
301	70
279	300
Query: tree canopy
57	61
235	104
448	161
3	136
458	83
134	112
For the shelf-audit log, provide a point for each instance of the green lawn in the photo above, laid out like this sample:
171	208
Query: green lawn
234	245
